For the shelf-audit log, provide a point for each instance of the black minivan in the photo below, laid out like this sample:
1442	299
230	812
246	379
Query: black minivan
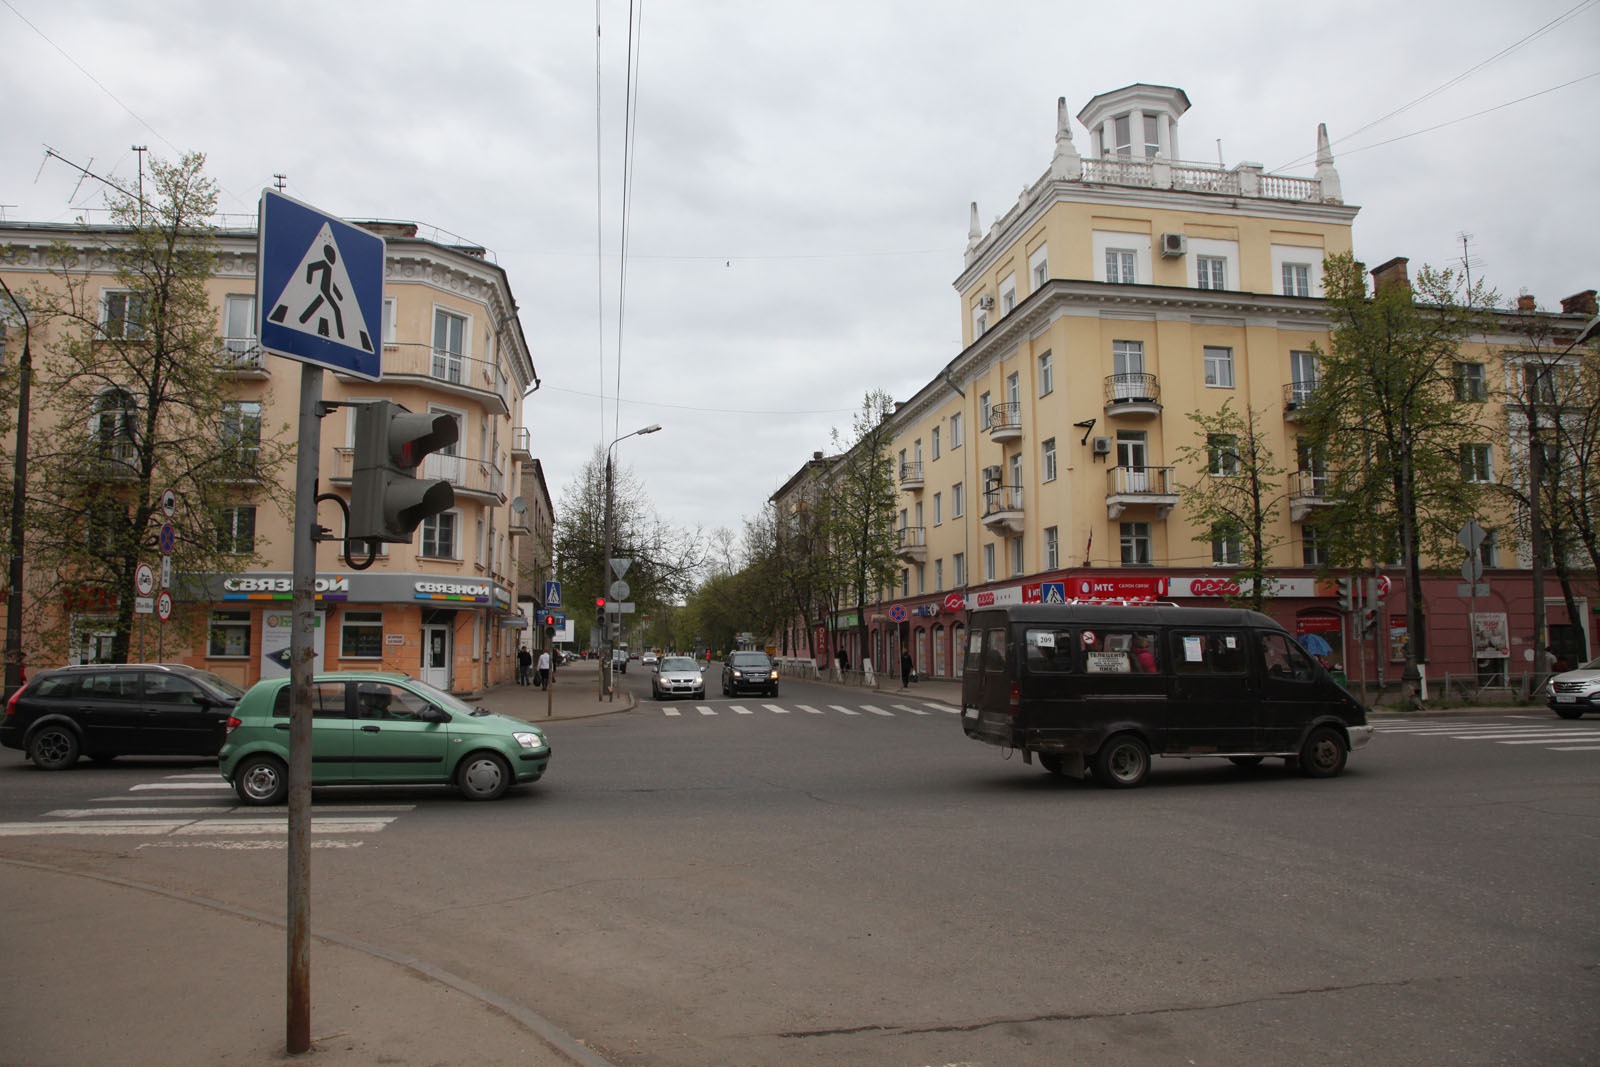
1089	687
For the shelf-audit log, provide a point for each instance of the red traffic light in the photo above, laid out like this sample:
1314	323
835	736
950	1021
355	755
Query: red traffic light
549	620
599	601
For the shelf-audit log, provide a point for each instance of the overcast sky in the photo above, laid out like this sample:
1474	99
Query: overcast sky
801	172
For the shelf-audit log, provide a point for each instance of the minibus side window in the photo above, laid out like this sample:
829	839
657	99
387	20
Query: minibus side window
1209	652
1049	651
974	649
1122	652
994	651
1285	659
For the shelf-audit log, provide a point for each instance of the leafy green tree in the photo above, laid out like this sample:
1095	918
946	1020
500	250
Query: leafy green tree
1386	417
1236	494
860	531
131	377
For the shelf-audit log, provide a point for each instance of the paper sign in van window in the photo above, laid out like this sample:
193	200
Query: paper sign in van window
1107	663
1193	650
1042	638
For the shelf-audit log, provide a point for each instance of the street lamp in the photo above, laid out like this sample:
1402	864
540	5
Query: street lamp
19	497
1535	478
605	570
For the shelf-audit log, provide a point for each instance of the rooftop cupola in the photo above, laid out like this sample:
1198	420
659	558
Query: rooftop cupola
1136	122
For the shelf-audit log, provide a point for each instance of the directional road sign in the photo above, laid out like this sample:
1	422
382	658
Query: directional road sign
552	594
319	288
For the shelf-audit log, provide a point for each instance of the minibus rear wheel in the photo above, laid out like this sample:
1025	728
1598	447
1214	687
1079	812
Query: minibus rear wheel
1324	753
1122	762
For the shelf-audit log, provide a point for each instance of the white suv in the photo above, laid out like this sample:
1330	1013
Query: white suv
1571	694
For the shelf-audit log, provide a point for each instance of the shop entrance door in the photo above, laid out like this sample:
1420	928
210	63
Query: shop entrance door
436	656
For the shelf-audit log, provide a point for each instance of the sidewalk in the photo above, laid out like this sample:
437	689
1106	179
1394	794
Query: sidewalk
574	693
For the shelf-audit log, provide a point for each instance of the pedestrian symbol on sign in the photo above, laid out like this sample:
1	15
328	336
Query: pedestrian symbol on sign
320	298
1053	593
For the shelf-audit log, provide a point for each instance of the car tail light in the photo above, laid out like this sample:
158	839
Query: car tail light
234	722
11	705
1013	701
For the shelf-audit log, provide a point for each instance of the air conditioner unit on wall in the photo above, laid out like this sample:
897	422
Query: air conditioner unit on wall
1102	446
986	303
1174	244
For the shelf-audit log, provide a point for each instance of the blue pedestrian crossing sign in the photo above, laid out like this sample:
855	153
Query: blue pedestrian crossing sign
1053	593
319	287
552	594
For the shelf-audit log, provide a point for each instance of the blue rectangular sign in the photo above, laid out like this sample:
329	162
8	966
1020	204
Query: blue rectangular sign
552	595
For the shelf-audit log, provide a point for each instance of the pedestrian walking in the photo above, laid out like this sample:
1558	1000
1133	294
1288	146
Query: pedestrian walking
544	669
524	665
905	669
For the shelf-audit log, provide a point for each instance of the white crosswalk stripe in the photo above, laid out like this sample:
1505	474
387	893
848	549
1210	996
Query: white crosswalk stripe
775	709
1513	730
808	709
909	708
844	710
877	710
889	712
740	710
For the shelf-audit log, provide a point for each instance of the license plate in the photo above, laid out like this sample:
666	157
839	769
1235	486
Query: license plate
1566	698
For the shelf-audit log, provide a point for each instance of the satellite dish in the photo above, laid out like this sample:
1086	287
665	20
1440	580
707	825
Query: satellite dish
518	506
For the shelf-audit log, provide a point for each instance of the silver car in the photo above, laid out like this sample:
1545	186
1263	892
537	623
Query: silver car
1572	693
678	676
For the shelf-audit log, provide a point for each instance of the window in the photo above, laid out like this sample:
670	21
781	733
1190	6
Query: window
958	568
1222	454
1313	547
983	412
439	535
1475	465
905	583
1008	293
1052	548
1152	135
955	430
1047	375
1297	279
980	322
391	316
957	501
988	563
1014	391
922	586
1303	375
1136	544
1489	550
1047	461
1227	550
112	428
361	635
236	530
1471	383
1016	555
239	325
1211	272
122	315
1219	367
229	636
449	345
1211	651
1039	266
938	576
933	442
1127	357
1539	383
938	509
1120	266
241	431
1122	134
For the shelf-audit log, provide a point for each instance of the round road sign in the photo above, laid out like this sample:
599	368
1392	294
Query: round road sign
144	579
169	503
164	606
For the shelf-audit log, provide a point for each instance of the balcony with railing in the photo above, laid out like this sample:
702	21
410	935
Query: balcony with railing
522	445
1141	487
475	379
912	545
478	479
911	476
1005	422
1133	394
1296	395
1246	179
1002	508
242	357
1308	491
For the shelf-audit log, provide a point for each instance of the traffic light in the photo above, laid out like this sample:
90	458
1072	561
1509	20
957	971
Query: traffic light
1369	621
387	500
1345	601
600	603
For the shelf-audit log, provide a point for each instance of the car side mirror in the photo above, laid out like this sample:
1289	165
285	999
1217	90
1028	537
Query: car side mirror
433	714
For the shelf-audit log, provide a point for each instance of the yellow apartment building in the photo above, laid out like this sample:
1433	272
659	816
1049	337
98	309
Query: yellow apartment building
1124	290
443	608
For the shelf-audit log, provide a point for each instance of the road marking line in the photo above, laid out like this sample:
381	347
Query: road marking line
1548	740
775	709
257	845
674	712
740	709
807	708
281	826
843	710
191	777
704	710
877	711
112	829
908	707
945	707
218	783
1575	748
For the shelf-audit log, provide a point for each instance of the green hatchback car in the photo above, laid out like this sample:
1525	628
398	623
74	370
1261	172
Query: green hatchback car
376	728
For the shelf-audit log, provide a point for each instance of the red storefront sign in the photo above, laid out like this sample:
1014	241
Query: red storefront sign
1117	587
1213	587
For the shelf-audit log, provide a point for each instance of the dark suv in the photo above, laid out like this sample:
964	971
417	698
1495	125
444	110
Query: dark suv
749	670
105	710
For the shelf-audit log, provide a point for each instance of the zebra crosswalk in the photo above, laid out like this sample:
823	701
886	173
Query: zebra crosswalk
1556	735
203	815
891	711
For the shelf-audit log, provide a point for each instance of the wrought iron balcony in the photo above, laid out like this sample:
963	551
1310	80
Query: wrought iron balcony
913	544
1133	394
911	476
1140	487
1005	422
1002	508
1296	395
1309	490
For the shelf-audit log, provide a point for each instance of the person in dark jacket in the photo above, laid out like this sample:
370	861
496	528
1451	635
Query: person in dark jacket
905	669
524	665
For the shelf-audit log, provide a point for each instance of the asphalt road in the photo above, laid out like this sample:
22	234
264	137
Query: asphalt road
792	883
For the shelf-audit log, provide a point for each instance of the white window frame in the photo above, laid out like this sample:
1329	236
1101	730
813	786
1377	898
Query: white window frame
957	500
450	364
1047	374
933	440
988	562
1052	548
1008	293
131	302
1227	552
228	528
1211	272
1047	460
1039	266
955	430
239	325
1134	538
1122	266
1297	256
1018	555
1295	279
1218	366
1477	463
938	509
958	568
428	535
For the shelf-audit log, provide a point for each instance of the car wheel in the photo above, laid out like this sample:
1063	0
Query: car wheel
1122	762
1323	754
261	780
1246	761
483	776
54	748
1570	713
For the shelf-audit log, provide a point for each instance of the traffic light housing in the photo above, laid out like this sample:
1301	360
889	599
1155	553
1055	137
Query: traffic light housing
387	500
1346	601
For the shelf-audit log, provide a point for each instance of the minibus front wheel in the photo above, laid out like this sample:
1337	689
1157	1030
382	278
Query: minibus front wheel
1324	753
1122	762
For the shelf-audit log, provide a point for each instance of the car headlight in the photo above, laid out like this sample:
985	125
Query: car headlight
529	740
774	674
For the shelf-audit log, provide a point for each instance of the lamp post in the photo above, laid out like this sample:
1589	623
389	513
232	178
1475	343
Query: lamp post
19	497
605	569
1535	513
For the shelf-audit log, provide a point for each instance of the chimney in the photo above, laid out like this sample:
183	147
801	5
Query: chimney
1391	273
1579	303
816	456
1526	302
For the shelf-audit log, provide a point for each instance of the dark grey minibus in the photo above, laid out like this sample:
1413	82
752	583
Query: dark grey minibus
1096	688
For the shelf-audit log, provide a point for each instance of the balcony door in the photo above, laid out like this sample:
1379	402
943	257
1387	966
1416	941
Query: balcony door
1133	458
